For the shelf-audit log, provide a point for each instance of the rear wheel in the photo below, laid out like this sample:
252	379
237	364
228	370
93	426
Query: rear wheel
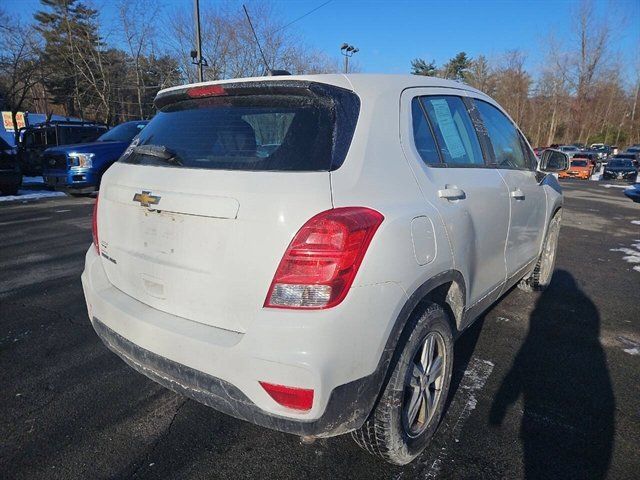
540	278
412	404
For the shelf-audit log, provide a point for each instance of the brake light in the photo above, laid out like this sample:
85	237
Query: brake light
323	258
94	225
291	397
206	91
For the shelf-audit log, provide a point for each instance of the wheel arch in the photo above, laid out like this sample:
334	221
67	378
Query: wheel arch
447	289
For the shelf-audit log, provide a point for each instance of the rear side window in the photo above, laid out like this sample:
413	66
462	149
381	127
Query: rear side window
276	132
504	137
455	135
422	136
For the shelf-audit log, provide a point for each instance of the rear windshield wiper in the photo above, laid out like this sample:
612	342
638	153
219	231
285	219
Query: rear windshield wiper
159	151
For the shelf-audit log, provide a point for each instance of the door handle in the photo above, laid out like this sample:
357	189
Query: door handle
451	193
517	194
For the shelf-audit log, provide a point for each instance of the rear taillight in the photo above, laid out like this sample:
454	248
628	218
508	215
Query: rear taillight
323	258
94	225
290	397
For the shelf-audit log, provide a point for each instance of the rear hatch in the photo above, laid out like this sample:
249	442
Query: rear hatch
196	215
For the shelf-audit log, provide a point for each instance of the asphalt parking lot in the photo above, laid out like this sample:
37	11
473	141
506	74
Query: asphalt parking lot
546	385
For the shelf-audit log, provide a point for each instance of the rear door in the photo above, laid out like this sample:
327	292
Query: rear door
199	232
527	198
471	197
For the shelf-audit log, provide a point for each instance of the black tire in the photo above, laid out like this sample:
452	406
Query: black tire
540	277
10	191
388	433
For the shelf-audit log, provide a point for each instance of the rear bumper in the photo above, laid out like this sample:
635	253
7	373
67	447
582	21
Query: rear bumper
582	175
221	369
620	175
344	412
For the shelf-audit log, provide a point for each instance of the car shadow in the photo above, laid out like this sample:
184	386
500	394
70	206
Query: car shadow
561	374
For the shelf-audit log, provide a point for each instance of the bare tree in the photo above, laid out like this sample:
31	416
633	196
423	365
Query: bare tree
230	47
138	22
19	67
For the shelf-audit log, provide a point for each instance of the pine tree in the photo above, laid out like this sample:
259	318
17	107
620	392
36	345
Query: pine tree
69	30
458	67
421	67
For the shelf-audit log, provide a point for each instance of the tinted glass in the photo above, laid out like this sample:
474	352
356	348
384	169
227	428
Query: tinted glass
531	158
455	135
578	163
620	163
77	134
422	136
248	132
122	133
504	137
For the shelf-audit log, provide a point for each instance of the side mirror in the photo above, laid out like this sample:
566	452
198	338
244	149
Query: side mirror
553	161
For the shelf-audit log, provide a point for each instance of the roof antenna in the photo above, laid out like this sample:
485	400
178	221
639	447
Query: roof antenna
264	59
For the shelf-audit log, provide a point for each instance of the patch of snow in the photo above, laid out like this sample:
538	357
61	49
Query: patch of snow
635	222
31	195
632	255
473	380
32	180
632	351
608	185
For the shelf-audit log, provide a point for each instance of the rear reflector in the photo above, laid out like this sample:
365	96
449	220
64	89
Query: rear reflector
94	225
323	258
206	91
291	397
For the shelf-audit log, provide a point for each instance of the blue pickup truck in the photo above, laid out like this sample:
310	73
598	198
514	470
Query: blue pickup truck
79	168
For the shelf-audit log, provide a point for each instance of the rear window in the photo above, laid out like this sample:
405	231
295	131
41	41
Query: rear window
272	132
579	163
620	163
122	133
78	134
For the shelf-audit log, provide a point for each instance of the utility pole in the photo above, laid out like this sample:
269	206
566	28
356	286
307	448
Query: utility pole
348	51
198	52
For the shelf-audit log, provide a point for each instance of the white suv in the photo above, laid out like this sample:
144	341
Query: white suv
300	252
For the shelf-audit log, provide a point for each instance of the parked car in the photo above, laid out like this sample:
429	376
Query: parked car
569	149
79	168
579	168
620	169
592	160
601	149
10	174
317	289
579	146
633	192
628	156
35	139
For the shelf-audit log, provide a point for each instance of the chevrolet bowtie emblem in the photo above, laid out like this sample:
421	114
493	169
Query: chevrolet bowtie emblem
146	199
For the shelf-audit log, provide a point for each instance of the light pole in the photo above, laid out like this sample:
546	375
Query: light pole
196	54
348	51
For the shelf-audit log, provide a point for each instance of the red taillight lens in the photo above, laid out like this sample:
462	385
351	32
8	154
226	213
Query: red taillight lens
323	258
291	397
94	225
206	91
